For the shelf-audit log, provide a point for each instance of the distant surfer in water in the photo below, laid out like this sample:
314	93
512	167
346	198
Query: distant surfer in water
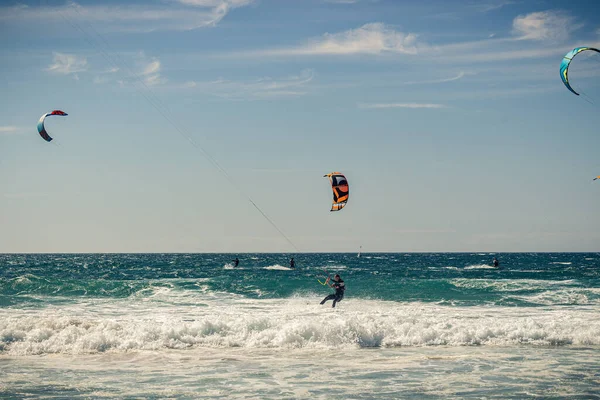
339	286
495	263
236	262
292	263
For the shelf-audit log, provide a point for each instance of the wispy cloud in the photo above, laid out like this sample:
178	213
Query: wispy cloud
476	7
545	25
266	87
424	231
495	55
9	130
380	39
527	30
105	76
400	105
495	92
341	1
488	6
147	17
137	69
68	64
216	3
373	38
151	72
460	75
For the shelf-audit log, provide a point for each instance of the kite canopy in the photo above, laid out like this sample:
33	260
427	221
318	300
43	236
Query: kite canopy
598	177
564	65
339	185
40	126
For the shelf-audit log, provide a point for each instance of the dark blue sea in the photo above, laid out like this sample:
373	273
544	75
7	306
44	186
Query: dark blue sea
414	325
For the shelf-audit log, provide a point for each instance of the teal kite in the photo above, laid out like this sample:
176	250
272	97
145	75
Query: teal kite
42	129
564	65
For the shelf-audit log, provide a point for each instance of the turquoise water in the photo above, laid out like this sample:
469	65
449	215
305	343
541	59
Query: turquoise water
456	278
431	325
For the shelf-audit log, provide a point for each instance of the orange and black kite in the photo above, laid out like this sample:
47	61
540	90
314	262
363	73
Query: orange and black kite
341	191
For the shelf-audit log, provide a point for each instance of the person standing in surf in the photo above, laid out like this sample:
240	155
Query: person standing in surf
339	286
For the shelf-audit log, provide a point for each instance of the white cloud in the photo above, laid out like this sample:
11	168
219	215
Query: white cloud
147	17
400	105
526	31
135	69
150	73
216	3
8	130
152	68
495	55
373	38
493	50
67	64
266	87
104	76
487	6
342	1
425	231
460	75
544	25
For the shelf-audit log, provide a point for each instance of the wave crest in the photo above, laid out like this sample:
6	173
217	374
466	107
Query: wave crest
296	325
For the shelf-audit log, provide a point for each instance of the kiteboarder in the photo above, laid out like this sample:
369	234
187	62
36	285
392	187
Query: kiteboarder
495	262
236	262
292	263
339	287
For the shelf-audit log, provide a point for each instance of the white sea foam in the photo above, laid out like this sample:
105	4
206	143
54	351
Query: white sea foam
480	266
561	263
333	267
298	322
278	267
389	373
511	285
563	296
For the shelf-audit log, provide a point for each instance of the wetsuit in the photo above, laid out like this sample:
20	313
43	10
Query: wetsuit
292	264
339	287
496	263
236	262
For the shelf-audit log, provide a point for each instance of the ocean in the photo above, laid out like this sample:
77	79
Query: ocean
411	326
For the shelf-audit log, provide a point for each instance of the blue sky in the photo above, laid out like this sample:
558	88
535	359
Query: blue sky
448	118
